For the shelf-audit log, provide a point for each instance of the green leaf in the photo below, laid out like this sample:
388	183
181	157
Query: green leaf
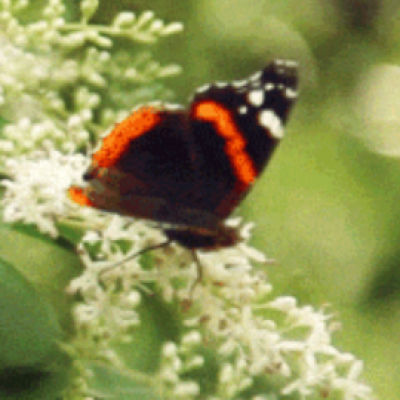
45	263
28	325
32	384
33	307
159	323
108	382
71	232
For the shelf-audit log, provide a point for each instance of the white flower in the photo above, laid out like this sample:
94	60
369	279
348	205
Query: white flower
227	306
36	194
54	72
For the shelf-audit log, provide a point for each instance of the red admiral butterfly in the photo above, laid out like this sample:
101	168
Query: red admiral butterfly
191	168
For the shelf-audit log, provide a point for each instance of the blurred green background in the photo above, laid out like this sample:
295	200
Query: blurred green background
327	207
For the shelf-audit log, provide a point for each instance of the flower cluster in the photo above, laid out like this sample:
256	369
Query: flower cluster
232	310
63	81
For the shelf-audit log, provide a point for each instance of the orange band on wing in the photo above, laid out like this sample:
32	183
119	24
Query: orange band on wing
118	141
235	144
77	195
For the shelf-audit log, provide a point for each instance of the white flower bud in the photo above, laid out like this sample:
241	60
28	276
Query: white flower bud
172	28
283	303
156	26
144	18
226	374
191	339
186	389
134	299
169	350
124	19
88	8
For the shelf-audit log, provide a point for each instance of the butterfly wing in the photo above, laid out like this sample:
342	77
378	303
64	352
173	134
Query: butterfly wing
236	128
192	168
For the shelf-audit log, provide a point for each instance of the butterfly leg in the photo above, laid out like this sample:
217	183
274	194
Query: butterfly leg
199	270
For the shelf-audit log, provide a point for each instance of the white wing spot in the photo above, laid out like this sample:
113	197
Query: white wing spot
155	103
242	110
256	76
203	88
256	97
290	93
291	63
286	63
221	85
269	120
173	106
269	86
239	84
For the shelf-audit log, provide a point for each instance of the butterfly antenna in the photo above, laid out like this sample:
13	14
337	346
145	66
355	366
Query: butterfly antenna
131	257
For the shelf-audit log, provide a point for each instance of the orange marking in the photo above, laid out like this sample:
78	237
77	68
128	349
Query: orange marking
117	142
234	142
77	195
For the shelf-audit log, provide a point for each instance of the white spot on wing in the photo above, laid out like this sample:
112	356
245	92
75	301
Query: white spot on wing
287	63
256	76
269	86
239	84
155	103
256	97
242	110
291	63
290	93
269	120
221	84
173	106
203	88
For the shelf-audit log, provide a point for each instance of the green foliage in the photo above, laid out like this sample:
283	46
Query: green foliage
28	326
